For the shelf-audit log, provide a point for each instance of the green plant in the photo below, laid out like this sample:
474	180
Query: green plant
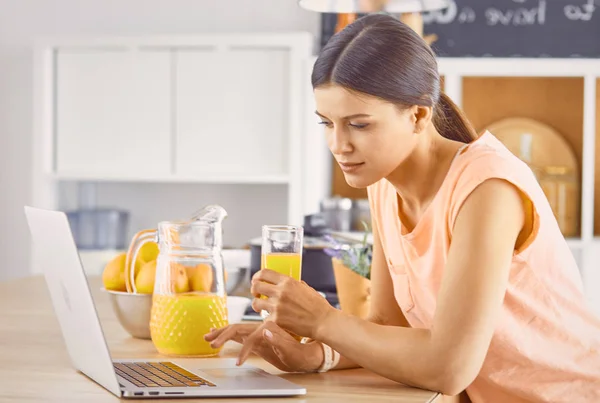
356	257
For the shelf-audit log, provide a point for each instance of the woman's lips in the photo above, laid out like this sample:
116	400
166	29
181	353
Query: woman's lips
349	167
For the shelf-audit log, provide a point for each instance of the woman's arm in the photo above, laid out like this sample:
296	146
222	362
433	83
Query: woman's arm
447	357
384	309
292	303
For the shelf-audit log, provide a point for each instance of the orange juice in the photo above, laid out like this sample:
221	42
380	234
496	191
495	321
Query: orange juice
289	264
179	322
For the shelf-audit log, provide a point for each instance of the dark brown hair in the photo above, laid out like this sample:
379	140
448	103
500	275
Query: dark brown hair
383	57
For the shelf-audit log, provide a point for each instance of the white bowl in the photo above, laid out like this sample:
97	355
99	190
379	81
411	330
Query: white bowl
237	266
236	307
133	311
235	278
235	258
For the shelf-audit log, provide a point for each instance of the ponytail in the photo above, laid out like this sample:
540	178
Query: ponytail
451	122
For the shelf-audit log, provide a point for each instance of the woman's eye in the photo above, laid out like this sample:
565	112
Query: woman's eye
327	124
359	125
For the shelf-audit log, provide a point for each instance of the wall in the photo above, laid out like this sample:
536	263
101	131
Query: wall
23	21
248	206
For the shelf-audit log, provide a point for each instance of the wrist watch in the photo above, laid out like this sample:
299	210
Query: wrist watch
331	358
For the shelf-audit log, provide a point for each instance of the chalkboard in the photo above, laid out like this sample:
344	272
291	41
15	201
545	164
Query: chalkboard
510	28
516	28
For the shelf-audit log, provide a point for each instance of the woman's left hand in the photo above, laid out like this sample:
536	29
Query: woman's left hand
292	305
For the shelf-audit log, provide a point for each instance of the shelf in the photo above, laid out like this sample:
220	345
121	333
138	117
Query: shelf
575	243
517	67
554	101
218	179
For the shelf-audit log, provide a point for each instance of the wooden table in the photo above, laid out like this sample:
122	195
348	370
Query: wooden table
34	365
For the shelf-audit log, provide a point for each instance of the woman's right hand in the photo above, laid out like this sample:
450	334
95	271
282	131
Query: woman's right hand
273	344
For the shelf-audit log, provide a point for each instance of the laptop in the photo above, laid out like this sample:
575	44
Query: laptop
56	254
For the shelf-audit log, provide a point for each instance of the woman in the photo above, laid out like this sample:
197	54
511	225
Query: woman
473	285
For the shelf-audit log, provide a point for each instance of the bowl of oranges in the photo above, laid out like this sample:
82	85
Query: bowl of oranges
133	310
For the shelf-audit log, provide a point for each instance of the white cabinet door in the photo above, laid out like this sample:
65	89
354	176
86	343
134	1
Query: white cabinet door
232	112
113	113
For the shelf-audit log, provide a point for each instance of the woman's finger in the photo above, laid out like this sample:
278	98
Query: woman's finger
268	276
259	304
249	344
276	336
261	288
231	333
214	333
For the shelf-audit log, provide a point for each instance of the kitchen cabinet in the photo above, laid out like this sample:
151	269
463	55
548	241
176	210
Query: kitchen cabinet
232	112
212	108
112	113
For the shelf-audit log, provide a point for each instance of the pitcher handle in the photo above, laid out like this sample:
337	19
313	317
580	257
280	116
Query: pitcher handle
137	242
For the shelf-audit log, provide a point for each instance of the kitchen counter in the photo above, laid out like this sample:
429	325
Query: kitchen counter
35	364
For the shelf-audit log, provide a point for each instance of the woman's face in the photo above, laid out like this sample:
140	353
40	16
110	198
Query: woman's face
368	137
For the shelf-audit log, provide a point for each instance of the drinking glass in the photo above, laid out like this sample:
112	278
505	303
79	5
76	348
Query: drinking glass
281	251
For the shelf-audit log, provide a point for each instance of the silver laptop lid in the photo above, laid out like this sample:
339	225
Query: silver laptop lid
56	255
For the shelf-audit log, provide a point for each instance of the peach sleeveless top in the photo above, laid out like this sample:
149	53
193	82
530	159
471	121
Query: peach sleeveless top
546	347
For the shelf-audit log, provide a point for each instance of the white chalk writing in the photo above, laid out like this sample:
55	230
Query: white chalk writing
520	16
467	15
580	13
444	16
522	13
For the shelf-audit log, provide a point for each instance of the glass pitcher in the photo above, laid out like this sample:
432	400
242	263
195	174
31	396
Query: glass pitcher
189	295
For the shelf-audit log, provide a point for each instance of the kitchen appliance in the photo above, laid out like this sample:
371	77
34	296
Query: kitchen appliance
99	228
343	214
337	213
100	233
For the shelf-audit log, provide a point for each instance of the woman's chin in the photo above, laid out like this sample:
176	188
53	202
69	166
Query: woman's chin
359	181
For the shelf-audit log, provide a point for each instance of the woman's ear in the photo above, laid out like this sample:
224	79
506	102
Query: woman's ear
422	117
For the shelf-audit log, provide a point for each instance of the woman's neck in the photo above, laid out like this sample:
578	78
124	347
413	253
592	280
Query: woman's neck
419	177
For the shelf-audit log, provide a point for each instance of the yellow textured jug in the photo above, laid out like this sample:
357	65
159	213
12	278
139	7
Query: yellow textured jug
189	290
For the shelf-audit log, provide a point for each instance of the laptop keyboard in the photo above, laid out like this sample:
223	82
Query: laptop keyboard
158	374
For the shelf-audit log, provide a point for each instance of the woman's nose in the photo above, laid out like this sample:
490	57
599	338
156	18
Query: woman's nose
339	142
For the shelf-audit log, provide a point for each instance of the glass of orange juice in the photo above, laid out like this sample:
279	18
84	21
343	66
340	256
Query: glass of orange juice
281	251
